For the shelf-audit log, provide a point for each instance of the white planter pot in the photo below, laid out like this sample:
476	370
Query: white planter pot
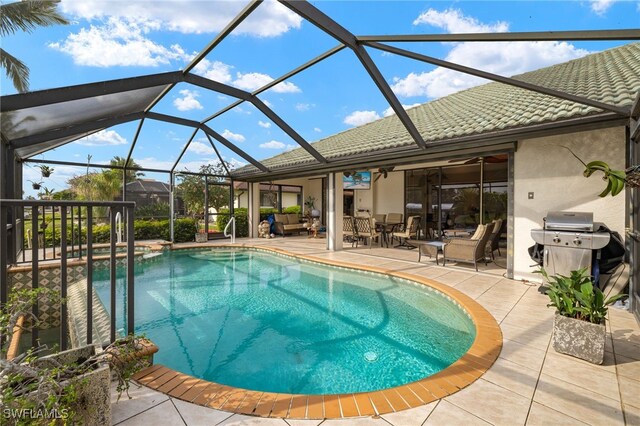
578	338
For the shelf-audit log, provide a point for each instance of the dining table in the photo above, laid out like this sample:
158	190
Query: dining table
386	229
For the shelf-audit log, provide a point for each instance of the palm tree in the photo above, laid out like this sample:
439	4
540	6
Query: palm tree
132	175
25	16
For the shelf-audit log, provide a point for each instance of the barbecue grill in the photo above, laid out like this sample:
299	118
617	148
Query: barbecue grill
569	239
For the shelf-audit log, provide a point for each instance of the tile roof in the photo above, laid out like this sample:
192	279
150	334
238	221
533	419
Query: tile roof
611	76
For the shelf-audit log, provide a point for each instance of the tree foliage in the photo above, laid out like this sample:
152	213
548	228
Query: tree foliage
191	190
24	16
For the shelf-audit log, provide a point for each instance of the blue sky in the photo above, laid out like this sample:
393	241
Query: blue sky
116	39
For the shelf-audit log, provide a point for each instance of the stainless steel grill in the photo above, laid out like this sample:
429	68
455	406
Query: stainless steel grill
569	239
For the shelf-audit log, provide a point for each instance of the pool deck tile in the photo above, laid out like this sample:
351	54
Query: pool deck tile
179	390
365	406
298	408
249	403
348	406
280	405
315	409
332	407
526	323
195	390
380	403
394	398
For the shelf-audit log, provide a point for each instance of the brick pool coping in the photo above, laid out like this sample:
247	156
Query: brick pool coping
471	366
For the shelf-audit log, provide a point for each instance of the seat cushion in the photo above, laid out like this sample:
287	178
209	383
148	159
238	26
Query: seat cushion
281	218
479	232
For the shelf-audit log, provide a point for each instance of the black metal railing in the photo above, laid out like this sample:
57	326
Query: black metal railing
72	214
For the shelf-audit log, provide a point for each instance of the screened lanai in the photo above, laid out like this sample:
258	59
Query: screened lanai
37	122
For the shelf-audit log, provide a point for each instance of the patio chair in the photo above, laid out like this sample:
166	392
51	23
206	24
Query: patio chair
410	231
469	250
349	232
380	218
366	229
494	239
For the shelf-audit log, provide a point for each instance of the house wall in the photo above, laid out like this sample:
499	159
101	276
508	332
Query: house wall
555	177
388	194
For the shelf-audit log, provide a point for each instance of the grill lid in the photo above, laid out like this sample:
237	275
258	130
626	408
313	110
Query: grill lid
569	221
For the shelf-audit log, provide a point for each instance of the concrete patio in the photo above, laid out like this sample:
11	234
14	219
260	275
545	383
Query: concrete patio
529	384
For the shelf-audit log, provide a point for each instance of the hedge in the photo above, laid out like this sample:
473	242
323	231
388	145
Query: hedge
184	231
242	221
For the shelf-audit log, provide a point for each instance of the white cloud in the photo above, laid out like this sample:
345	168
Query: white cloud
304	107
200	148
600	7
264	124
454	21
188	101
317	129
271	19
102	138
216	71
507	59
118	42
254	80
358	118
236	137
273	145
389	111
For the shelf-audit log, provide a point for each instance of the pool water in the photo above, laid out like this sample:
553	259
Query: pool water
266	322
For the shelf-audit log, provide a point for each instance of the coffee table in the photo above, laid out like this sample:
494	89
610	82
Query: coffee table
429	248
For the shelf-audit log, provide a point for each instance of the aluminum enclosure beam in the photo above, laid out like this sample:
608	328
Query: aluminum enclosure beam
186	146
82	91
224	164
208	130
282	78
244	13
226	31
587	35
501	79
335	30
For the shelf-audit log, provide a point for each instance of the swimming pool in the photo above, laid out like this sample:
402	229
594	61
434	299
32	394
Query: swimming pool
255	320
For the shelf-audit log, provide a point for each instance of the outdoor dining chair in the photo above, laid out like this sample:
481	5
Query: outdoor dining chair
366	229
349	232
410	231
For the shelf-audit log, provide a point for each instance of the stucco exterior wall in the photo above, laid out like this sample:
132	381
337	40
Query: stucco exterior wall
388	194
555	177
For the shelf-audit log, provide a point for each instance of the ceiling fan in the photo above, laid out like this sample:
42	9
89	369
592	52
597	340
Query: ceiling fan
499	158
384	172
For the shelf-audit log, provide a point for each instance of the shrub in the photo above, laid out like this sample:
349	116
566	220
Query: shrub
154	211
184	230
292	209
242	221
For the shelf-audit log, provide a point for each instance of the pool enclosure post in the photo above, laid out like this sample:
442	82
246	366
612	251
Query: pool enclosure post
172	182
334	217
254	208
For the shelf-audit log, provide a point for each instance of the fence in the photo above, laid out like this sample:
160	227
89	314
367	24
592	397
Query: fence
72	216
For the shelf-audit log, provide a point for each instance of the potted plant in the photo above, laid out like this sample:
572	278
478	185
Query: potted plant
36	185
45	170
69	387
310	204
581	309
